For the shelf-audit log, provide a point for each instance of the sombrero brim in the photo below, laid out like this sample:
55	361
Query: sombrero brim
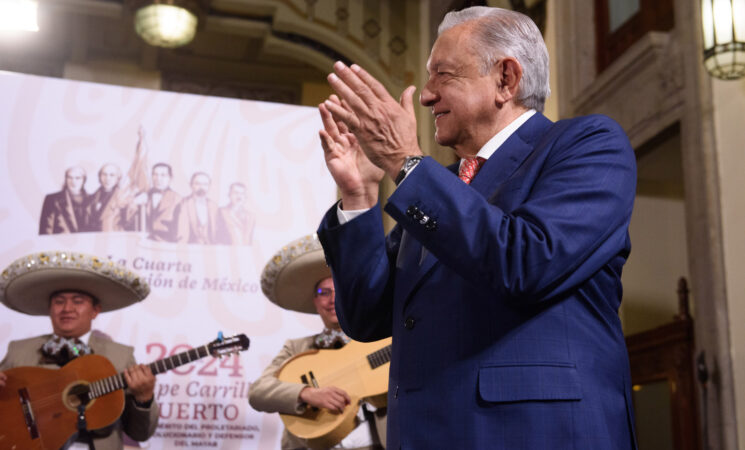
28	283
290	275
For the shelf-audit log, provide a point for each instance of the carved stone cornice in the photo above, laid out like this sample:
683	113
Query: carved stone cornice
642	89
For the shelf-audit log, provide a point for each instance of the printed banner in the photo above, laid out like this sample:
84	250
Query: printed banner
193	193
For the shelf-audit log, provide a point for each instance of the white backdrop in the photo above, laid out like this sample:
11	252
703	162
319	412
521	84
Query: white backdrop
48	125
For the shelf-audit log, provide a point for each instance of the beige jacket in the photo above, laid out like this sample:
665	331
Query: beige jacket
268	394
138	423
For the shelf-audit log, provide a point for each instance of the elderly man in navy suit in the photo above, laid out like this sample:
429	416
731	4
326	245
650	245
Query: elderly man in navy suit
501	281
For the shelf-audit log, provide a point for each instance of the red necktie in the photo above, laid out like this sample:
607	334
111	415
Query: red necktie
469	168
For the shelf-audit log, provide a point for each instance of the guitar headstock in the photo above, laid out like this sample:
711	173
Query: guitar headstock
226	345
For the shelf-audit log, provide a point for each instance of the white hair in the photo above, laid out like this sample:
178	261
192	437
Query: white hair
499	33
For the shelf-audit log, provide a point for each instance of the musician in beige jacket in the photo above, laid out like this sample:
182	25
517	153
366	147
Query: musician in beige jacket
298	279
73	289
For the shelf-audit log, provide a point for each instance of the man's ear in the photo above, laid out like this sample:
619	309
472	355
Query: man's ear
509	72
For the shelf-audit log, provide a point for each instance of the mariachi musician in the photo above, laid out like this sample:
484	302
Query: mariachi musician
73	288
297	278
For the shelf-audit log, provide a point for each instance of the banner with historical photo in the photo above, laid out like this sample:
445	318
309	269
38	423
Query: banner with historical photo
194	194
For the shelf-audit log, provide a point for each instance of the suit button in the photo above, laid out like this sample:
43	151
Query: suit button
431	225
418	215
409	323
411	210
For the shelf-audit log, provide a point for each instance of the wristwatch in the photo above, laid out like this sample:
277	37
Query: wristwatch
409	163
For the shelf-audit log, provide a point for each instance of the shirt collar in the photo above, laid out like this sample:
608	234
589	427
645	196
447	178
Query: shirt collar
84	338
495	142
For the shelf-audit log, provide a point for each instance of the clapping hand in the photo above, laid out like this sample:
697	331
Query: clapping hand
354	174
385	129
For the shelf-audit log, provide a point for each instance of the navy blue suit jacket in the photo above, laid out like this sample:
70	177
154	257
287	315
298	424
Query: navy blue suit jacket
502	296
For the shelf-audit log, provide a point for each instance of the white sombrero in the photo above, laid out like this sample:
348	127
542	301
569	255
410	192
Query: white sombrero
291	274
27	284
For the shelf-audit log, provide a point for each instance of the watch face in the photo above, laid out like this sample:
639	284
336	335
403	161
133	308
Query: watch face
411	162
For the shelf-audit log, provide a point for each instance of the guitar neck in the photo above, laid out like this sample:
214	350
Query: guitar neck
115	382
380	357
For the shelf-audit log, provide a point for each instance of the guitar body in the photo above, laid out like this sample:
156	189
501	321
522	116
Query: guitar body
39	407
347	368
50	394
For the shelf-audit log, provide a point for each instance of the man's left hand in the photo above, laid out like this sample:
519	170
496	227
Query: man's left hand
354	174
385	128
141	382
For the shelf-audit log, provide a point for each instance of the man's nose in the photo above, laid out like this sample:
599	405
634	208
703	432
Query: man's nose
427	96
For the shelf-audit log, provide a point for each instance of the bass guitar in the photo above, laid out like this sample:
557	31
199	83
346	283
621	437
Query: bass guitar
359	368
39	407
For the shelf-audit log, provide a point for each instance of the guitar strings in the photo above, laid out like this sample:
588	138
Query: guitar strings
342	374
38	403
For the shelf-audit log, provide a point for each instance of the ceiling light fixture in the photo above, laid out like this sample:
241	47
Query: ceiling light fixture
18	15
166	23
723	25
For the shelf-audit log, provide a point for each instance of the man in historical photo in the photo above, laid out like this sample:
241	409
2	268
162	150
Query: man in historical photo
154	211
107	207
64	211
235	224
196	215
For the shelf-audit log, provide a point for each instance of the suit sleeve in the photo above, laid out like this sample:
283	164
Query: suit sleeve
362	260
269	394
571	223
139	423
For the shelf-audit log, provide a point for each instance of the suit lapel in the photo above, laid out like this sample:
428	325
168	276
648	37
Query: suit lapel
495	171
510	155
96	343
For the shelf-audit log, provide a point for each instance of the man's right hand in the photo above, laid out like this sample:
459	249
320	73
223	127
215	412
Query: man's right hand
385	128
331	398
3	377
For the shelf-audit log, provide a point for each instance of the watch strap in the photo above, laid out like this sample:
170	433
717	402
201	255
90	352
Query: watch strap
409	163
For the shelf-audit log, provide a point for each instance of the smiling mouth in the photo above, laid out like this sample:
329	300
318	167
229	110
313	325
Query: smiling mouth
440	115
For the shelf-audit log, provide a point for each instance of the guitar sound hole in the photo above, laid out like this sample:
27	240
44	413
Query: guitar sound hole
77	395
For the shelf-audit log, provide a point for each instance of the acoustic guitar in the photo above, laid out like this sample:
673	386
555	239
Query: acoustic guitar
39	406
359	368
